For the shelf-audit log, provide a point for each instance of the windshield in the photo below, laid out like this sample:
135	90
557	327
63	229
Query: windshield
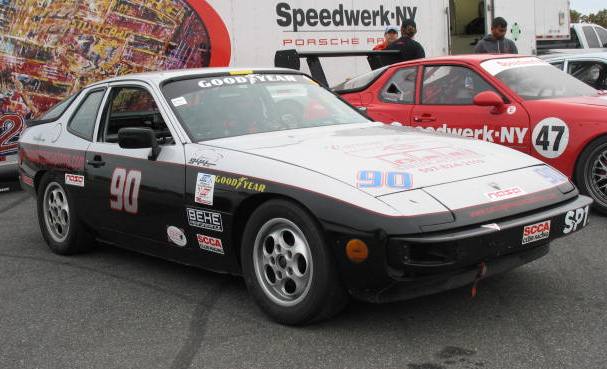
360	82
228	106
534	79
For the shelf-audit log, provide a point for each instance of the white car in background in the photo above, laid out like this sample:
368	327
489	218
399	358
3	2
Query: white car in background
589	67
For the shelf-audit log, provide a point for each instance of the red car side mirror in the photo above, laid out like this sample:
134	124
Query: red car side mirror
490	98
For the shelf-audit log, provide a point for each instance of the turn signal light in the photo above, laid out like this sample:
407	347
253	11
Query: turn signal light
357	251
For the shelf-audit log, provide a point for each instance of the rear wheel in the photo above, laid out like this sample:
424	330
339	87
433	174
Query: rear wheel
58	219
287	267
591	173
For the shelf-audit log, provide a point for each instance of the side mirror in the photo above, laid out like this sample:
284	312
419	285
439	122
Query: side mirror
490	98
139	138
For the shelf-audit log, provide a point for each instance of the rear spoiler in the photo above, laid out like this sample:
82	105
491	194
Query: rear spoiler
290	59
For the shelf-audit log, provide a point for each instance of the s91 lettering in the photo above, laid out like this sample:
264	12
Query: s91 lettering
124	190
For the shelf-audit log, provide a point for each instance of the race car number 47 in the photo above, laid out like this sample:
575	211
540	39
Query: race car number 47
576	219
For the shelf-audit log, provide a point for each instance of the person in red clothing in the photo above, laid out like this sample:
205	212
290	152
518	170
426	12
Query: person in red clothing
390	35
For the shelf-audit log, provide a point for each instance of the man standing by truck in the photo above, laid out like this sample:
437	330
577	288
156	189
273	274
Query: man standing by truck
496	42
408	47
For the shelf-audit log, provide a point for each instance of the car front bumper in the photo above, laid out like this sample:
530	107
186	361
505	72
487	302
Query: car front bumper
404	267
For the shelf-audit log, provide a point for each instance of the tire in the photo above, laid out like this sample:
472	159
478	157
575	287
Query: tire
591	173
58	219
288	269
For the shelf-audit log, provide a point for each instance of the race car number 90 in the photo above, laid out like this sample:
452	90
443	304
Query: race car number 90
576	218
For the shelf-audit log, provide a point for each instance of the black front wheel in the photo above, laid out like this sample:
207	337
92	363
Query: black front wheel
58	218
591	173
288	268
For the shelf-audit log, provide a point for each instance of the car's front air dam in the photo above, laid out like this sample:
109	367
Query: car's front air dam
404	290
424	264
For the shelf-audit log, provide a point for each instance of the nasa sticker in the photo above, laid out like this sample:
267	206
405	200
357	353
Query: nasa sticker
511	110
550	137
176	236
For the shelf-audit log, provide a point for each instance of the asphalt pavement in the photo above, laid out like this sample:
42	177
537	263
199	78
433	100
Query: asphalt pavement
117	309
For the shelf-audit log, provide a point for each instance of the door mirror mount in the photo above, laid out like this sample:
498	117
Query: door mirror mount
490	98
139	138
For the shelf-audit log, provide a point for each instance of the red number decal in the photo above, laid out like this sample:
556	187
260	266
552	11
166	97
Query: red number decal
10	127
124	190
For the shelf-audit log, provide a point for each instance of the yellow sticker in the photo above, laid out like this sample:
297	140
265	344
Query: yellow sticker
240	72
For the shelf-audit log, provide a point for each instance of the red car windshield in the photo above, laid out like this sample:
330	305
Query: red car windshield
534	79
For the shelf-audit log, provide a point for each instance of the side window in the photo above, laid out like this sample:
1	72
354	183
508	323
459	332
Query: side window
589	72
401	87
558	64
593	40
129	107
56	110
451	85
602	35
83	121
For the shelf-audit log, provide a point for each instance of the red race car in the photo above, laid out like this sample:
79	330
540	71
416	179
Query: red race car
521	102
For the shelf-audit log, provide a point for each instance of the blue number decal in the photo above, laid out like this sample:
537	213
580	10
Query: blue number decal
369	179
399	180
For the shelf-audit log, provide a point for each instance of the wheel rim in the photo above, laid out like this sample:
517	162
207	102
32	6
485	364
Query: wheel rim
598	175
283	262
56	212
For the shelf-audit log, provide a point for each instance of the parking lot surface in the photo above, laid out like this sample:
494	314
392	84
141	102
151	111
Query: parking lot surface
117	309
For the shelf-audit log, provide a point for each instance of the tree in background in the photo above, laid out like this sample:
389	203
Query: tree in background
575	16
599	18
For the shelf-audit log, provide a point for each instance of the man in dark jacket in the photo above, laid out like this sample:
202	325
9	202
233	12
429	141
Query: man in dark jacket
408	47
496	42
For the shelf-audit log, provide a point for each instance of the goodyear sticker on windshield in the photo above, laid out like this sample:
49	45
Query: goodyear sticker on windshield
248	80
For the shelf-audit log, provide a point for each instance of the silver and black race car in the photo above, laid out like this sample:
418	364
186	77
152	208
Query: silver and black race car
266	174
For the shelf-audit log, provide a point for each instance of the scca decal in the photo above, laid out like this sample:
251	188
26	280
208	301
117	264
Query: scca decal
536	232
210	244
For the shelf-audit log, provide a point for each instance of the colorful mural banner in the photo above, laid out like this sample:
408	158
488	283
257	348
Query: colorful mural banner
50	49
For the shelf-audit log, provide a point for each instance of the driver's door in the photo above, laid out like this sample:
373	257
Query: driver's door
446	105
132	198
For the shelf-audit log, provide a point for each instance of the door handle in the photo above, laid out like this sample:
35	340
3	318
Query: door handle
424	118
96	162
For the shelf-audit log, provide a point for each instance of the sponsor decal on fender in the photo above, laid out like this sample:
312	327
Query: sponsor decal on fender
241	183
176	236
504	194
536	232
204	219
205	158
576	219
210	244
74	180
205	188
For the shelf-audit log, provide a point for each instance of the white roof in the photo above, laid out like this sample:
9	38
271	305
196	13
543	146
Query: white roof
159	76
